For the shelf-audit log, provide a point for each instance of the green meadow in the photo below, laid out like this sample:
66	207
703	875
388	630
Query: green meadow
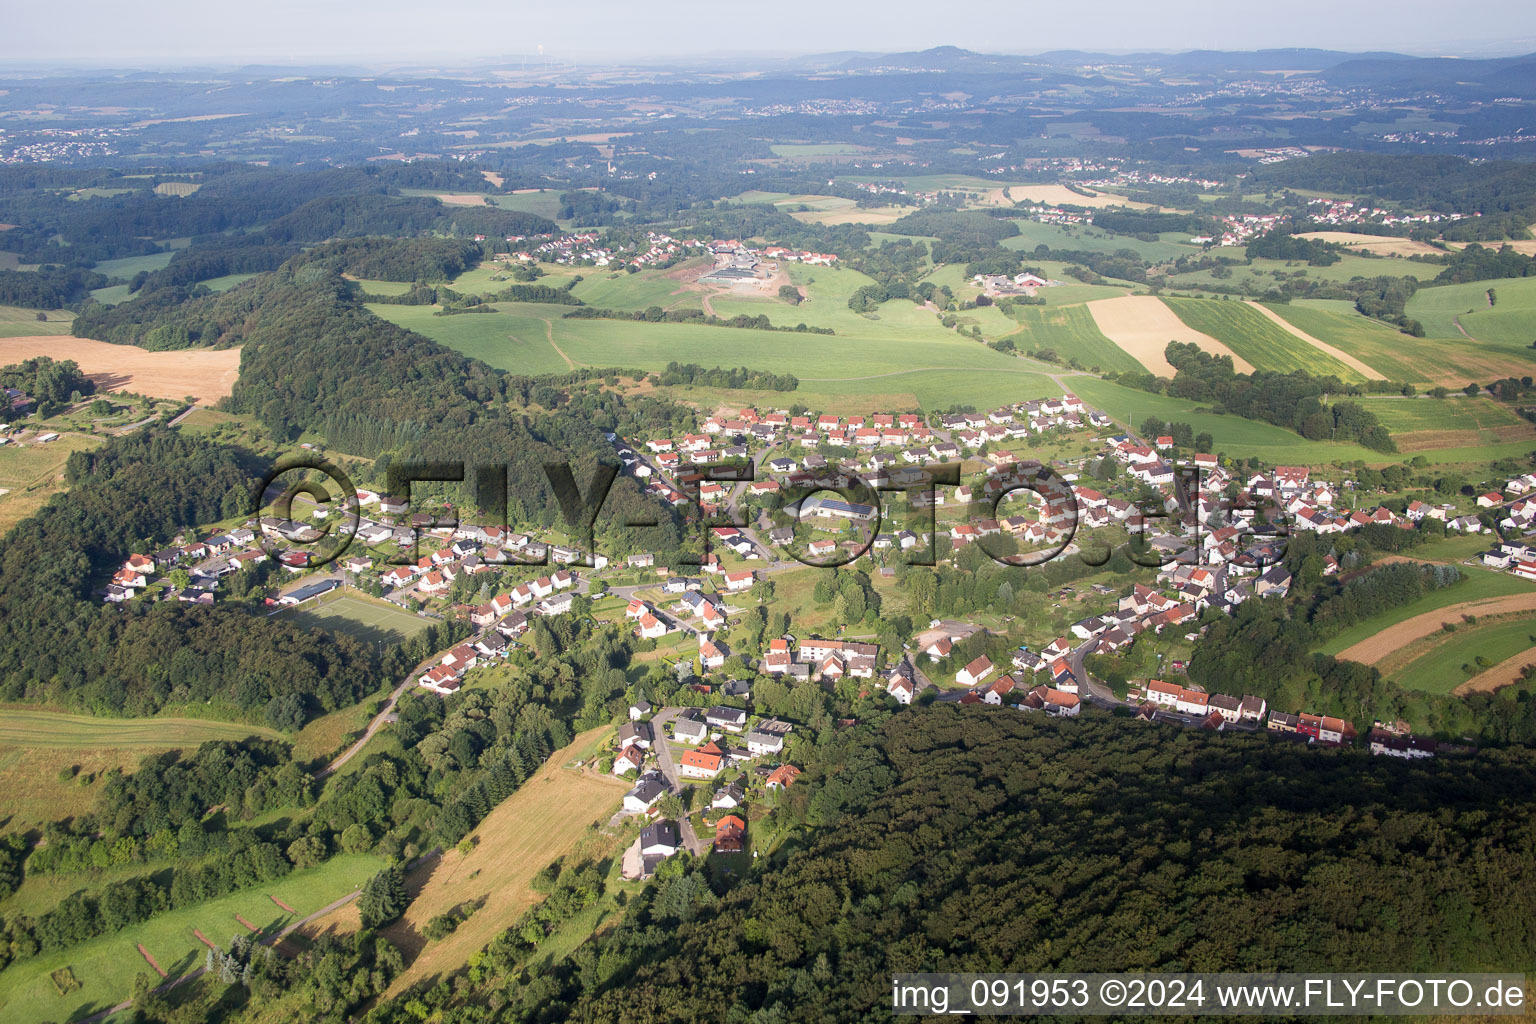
106	966
1234	435
1440	669
514	343
16	322
1510	323
1091	239
127	266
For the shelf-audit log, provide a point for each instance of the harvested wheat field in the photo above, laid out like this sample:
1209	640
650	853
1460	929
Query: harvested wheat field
207	374
1381	245
1322	346
1143	326
1525	247
1055	195
1381	646
547	818
453	199
1505	673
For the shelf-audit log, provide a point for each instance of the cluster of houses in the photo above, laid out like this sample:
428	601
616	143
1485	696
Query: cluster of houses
499	620
206	561
17	404
734	252
717	739
819	659
1342	211
1242	228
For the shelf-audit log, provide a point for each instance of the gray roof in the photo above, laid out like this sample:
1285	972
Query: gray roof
648	789
661	833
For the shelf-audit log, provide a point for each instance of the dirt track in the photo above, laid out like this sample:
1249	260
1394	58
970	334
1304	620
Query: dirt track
1143	326
1393	638
209	374
1505	673
1322	346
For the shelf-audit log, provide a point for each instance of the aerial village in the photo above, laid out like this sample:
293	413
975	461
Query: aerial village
1211	523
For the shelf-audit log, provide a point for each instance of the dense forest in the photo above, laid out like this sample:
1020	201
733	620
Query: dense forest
60	644
51	382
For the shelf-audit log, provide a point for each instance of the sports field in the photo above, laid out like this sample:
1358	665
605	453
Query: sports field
106	966
363	618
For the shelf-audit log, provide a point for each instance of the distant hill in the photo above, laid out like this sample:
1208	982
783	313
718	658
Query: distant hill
1292	59
1500	76
946	58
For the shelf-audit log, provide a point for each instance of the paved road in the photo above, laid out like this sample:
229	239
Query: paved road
668	767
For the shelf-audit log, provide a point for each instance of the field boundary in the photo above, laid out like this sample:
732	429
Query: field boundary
1505	673
1373	650
1322	346
1143	325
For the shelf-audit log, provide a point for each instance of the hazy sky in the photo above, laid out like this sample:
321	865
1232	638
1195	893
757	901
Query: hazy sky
173	33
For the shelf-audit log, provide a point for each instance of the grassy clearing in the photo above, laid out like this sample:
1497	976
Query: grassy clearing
514	343
375	287
16	322
106	966
815	149
22	728
127	266
1479	584
640	290
32	793
1091	239
1264	344
1072	333
1440	670
1426	422
362	618
1510	323
542	203
228	281
323	736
